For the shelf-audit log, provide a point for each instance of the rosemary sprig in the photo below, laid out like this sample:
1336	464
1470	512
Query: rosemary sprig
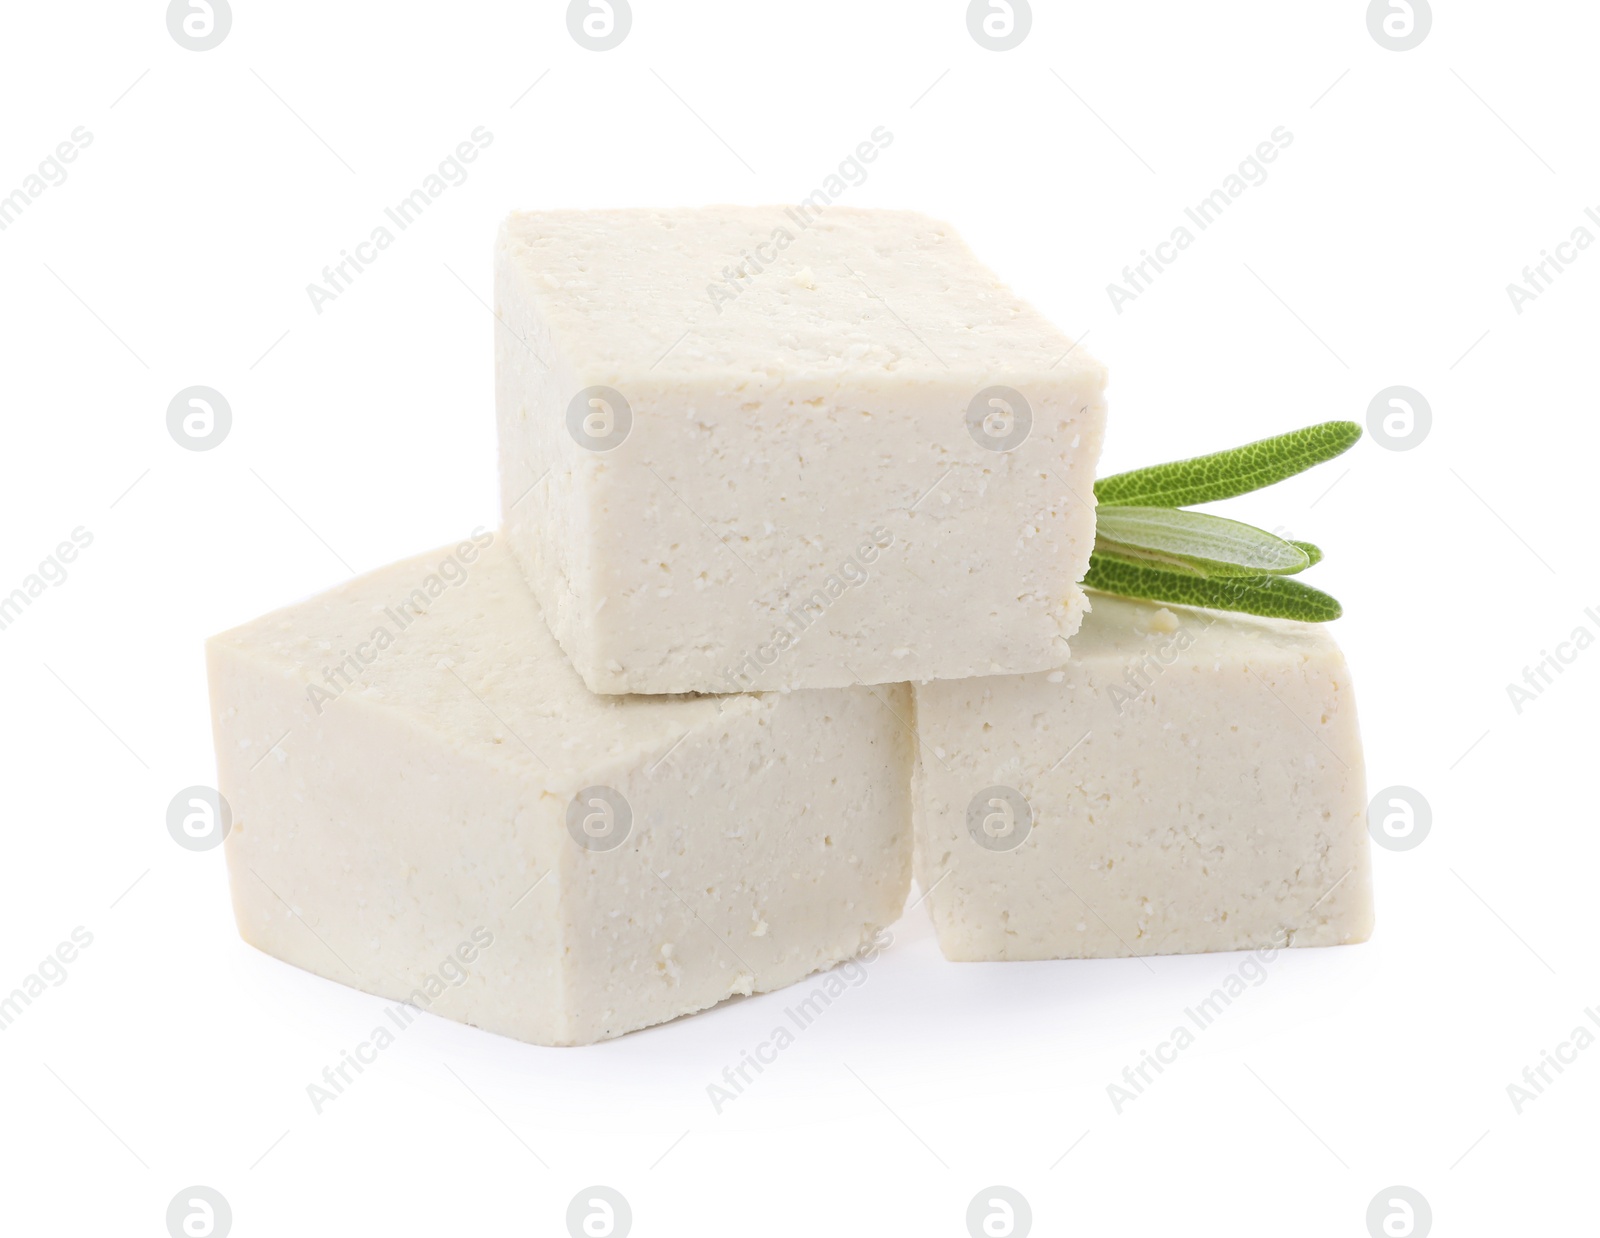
1194	542
1228	474
1278	597
1146	546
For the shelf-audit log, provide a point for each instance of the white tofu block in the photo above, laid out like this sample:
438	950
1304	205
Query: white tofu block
421	787
1191	781
767	447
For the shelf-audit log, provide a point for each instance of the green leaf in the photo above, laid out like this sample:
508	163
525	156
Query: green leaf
1273	596
1149	558
1208	545
1225	474
1314	553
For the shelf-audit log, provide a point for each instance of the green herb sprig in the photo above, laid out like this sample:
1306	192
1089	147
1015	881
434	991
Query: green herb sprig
1148	546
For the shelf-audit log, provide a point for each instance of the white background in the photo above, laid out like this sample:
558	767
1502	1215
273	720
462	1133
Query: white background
177	252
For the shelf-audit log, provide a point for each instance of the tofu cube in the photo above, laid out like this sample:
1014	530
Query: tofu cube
750	448
428	805
1191	781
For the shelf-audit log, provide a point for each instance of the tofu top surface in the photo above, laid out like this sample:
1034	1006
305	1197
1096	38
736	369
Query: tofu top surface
1117	627
472	661
849	294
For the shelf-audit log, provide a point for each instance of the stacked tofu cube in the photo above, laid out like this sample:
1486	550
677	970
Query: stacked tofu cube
784	600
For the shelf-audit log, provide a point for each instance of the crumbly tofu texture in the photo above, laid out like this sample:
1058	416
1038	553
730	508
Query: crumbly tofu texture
1194	780
400	755
798	501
